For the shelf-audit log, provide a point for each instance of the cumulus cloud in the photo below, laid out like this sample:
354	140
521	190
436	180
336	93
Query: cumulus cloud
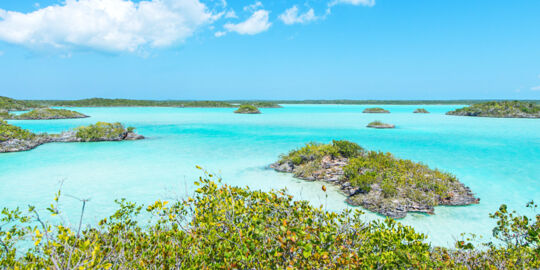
536	88
109	25
291	16
368	3
257	23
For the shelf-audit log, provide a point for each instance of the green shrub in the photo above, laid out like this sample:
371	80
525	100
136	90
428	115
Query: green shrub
375	110
225	227
247	108
99	131
10	104
347	149
8	132
499	109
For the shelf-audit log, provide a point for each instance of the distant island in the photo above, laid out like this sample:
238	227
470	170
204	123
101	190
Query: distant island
420	110
384	102
104	102
247	109
9	104
16	139
375	110
18	105
375	180
500	109
380	125
44	114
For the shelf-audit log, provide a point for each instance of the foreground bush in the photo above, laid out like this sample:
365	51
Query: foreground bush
224	227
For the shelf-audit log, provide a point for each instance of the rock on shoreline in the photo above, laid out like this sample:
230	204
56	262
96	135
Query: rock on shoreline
35	140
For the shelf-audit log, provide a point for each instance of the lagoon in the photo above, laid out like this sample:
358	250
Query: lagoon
499	159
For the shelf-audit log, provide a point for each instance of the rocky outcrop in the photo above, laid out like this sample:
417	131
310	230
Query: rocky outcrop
375	110
380	125
420	110
18	145
247	109
331	170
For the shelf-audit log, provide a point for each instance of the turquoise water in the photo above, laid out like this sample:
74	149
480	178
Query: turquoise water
499	159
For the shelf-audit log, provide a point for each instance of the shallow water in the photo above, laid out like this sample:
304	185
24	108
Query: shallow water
499	159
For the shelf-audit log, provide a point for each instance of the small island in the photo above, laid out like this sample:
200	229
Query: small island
375	110
500	109
374	180
247	109
16	139
420	110
48	114
380	125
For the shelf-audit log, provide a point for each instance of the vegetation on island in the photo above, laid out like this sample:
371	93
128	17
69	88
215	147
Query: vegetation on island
375	180
502	109
9	104
379	124
48	113
10	132
103	131
375	110
226	227
104	102
247	109
15	139
263	104
420	110
4	114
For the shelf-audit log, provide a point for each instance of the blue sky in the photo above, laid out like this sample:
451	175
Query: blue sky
321	49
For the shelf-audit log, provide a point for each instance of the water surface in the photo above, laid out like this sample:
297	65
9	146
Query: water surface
499	159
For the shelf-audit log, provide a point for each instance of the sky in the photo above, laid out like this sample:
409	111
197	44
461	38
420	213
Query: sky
311	49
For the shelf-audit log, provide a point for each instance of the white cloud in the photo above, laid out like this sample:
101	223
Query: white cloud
231	14
109	25
253	6
257	23
536	88
220	33
1	53
368	3
291	16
